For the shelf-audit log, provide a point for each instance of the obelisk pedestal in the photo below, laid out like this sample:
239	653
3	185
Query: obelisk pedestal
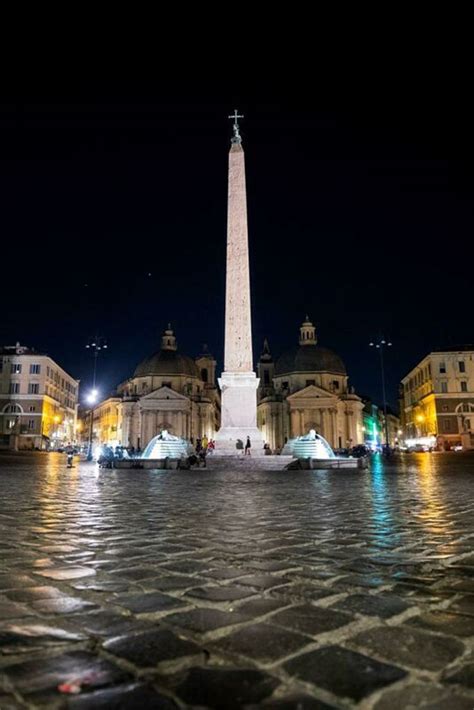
238	382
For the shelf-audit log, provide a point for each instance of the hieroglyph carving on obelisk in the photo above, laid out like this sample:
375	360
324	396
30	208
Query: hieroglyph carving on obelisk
238	382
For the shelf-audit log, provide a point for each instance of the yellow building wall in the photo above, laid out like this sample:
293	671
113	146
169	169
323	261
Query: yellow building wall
424	416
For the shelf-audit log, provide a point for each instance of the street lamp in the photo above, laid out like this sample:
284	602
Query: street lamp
91	399
96	345
380	345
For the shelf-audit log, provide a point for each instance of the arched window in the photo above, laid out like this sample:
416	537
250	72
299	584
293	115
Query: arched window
465	407
13	409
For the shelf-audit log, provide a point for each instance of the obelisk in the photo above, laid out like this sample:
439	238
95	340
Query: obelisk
238	382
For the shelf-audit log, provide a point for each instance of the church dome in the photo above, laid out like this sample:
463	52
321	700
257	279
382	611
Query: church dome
167	361
308	356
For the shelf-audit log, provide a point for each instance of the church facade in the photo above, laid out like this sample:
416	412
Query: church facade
307	388
169	391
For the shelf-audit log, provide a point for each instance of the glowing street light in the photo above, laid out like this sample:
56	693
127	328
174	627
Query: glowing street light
380	345
92	397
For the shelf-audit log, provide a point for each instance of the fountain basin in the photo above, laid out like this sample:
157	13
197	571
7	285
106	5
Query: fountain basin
313	452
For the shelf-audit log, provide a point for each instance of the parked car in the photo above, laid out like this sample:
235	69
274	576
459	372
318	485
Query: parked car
419	448
359	451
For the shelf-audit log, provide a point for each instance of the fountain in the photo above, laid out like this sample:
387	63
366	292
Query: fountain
313	451
163	451
166	445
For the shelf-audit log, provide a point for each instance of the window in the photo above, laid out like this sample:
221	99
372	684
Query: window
11	423
467	424
463	386
15	368
446	425
32	408
310	382
335	384
166	384
444	387
462	366
13	409
35	369
33	388
31	424
266	377
47	370
14	388
204	374
284	385
442	367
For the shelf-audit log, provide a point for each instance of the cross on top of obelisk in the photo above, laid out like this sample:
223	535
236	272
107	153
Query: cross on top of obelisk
237	137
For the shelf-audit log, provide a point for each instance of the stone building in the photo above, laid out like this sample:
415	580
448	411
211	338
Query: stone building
307	388
437	398
168	390
38	400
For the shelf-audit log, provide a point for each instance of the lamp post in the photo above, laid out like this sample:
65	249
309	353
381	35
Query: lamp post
380	345
96	345
91	399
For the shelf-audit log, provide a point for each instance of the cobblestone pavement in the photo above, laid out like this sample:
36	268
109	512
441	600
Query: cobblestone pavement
302	589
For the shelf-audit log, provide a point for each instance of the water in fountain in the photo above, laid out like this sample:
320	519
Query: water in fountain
166	445
311	445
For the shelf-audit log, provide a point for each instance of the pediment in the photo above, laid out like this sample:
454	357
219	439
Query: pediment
164	393
312	392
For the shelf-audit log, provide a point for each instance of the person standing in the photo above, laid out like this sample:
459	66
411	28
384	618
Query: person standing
248	446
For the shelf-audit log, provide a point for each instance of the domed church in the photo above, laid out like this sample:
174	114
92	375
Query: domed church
307	388
169	390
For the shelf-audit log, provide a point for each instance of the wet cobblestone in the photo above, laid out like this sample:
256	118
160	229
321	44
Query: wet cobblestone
245	589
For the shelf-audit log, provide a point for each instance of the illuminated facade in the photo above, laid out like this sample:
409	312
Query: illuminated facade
169	391
307	388
105	423
38	400
374	426
437	398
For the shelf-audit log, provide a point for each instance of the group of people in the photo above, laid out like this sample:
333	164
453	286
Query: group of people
108	453
240	445
205	445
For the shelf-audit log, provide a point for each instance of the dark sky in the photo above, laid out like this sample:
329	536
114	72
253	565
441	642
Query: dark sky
360	214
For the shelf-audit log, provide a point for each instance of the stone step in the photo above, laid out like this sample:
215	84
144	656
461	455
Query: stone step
248	463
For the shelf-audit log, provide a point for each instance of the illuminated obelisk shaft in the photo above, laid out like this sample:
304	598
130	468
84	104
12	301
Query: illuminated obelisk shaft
238	382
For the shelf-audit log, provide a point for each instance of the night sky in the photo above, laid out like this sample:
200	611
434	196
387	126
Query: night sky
360	214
